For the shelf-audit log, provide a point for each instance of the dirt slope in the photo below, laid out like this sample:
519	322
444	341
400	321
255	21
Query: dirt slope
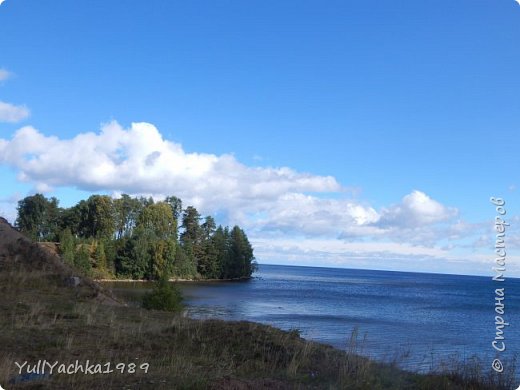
17	252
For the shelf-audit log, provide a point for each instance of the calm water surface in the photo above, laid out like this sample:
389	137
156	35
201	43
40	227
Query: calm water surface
418	319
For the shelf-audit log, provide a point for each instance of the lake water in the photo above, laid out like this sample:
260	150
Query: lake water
417	319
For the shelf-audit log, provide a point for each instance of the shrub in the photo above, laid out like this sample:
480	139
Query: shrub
67	246
82	259
164	296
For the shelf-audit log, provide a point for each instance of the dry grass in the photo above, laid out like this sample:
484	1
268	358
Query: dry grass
42	318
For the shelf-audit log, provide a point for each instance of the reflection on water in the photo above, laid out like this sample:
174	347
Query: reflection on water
420	318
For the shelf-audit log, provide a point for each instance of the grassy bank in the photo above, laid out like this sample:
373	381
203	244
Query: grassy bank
43	317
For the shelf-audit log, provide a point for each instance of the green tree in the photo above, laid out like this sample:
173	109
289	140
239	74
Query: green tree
183	265
31	215
241	254
220	243
208	228
137	237
191	236
126	213
134	259
100	256
158	220
176	205
67	246
162	258
112	246
208	265
70	219
82	259
145	202
53	218
207	262
97	217
38	217
191	227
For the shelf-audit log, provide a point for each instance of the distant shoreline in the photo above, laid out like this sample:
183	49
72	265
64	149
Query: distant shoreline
174	280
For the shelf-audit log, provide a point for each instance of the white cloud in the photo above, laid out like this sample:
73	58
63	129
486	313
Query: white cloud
376	255
365	255
268	202
4	74
139	161
416	209
301	213
417	219
345	249
8	206
11	113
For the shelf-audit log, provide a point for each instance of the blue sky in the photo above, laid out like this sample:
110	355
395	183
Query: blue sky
396	121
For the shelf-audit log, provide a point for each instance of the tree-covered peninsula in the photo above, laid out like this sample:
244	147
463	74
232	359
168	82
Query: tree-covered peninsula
138	238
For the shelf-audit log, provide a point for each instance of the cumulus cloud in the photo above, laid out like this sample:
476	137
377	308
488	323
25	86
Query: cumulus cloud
416	209
138	160
307	214
417	219
8	206
12	113
269	202
4	74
